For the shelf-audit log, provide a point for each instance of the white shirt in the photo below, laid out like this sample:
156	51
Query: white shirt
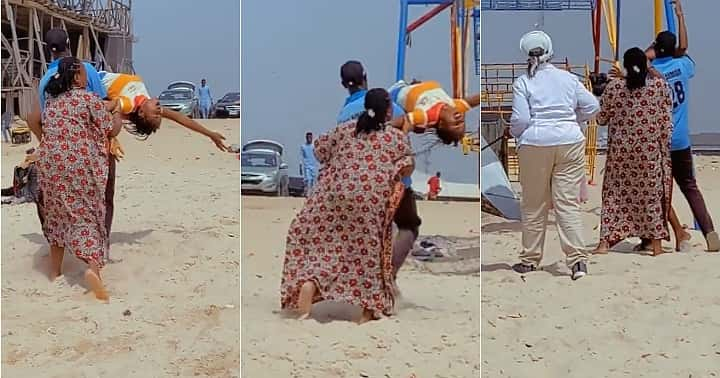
547	108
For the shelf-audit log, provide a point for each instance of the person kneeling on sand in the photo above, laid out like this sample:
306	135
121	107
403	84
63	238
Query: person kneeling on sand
339	246
73	172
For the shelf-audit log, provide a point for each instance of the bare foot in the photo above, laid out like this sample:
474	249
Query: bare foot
656	246
601	249
365	317
96	285
682	241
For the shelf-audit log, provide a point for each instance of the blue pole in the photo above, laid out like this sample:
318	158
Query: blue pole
402	36
670	17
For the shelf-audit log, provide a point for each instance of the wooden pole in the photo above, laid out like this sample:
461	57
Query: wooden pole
31	43
38	28
22	74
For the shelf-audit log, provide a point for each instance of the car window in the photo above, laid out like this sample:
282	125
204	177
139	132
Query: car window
175	95
259	160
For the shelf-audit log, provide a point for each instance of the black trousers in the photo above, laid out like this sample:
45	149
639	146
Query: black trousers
683	172
406	216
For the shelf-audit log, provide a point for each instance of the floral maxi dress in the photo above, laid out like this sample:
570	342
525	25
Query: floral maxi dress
73	173
342	238
637	184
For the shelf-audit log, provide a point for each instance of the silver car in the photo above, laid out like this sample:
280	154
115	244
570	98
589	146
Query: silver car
263	169
180	96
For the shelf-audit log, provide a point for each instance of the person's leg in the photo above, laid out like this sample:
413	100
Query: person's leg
6	134
536	164
408	223
684	173
305	299
682	237
56	260
110	200
566	179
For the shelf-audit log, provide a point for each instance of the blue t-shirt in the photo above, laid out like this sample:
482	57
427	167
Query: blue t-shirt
94	84
355	105
678	72
307	152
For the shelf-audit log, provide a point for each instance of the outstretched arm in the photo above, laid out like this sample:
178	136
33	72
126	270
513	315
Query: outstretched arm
682	31
185	121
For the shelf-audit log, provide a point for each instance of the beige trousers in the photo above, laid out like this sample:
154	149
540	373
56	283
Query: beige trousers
552	174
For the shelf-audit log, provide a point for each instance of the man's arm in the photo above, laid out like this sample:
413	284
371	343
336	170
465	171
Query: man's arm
520	118
34	121
682	31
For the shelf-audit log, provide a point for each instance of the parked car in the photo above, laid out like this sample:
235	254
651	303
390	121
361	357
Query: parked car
180	96
262	168
228	106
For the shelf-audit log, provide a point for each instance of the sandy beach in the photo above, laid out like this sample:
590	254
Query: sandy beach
632	316
435	334
175	303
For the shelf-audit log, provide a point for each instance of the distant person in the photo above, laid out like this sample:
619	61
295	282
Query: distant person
73	171
339	246
434	187
205	99
548	106
354	79
6	126
678	68
637	185
309	163
25	186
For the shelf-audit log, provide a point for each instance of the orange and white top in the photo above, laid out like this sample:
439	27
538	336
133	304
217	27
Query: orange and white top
129	90
423	101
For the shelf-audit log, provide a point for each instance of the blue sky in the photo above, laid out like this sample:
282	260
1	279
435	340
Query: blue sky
188	40
572	38
291	56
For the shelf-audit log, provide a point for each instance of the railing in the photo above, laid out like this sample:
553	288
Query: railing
114	14
536	5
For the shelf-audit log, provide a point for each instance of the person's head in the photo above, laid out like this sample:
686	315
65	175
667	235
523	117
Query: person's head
636	65
353	76
437	174
146	119
308	137
58	42
70	74
537	46
378	111
451	125
203	82
664	45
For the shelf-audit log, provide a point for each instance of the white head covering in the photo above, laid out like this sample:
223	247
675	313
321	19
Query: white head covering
536	40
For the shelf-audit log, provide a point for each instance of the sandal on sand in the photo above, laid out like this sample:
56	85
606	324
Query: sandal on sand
713	241
684	246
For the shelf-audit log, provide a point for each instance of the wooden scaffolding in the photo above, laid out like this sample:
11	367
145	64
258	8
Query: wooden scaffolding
100	32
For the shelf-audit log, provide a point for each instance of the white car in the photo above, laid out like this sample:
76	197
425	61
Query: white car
262	168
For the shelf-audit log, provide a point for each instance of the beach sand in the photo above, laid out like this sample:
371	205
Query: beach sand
435	334
175	298
632	316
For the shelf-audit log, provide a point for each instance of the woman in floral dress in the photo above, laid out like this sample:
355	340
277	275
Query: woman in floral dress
637	185
339	247
73	171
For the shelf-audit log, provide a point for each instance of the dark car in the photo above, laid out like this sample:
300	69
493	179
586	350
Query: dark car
228	106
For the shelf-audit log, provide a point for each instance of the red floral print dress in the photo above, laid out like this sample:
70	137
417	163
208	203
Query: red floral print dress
637	184
73	173
342	238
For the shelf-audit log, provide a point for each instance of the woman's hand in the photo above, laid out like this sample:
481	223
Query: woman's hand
116	149
616	73
218	139
111	105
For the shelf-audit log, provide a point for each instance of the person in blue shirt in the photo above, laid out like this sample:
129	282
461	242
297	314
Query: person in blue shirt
205	99
678	68
406	217
309	163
